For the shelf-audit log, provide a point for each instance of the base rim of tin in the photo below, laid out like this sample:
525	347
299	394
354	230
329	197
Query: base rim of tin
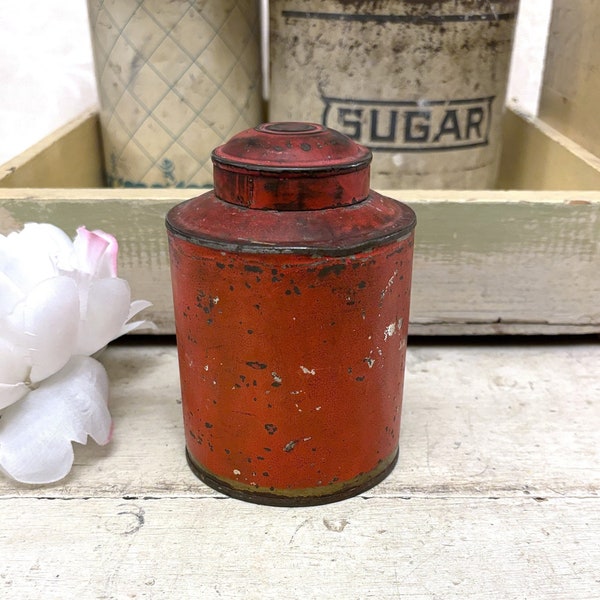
274	499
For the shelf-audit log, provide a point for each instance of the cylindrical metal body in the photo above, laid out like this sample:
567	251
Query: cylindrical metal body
422	83
291	285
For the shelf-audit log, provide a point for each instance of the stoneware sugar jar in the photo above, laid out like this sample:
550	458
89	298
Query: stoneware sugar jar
420	82
291	285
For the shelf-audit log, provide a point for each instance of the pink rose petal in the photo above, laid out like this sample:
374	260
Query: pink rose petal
95	252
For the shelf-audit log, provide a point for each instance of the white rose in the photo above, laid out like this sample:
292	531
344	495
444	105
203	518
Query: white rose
60	302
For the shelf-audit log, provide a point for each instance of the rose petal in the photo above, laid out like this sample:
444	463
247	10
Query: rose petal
13	372
108	267
134	308
36	433
32	255
43	238
11	393
95	252
43	327
12	367
107	311
144	324
28	269
10	294
50	237
87	250
137	306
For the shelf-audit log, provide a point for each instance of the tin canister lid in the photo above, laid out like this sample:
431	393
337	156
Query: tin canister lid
291	166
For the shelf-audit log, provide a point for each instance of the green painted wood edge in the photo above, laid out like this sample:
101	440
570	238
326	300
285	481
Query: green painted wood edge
529	260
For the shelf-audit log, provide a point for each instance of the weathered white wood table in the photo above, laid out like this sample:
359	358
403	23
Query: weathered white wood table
496	496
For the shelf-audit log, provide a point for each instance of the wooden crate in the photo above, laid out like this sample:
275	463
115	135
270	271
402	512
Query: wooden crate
571	86
521	261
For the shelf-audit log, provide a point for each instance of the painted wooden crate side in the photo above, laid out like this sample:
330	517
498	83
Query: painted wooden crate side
536	156
570	93
494	262
71	157
521	266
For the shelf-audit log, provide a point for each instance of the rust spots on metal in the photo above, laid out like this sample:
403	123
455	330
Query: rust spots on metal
256	365
253	269
335	269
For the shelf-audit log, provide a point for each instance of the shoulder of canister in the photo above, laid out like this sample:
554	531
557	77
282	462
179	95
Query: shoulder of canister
209	221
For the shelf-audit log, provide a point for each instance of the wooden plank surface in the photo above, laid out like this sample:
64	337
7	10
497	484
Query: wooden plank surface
478	419
485	262
570	93
377	548
495	496
537	156
71	157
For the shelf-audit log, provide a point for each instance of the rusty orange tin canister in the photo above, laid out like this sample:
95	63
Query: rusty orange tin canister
291	285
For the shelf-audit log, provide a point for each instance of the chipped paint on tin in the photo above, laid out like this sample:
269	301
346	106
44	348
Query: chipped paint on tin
289	314
347	402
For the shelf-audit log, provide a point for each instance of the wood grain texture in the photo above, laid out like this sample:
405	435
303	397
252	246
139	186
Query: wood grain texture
570	93
71	157
538	156
495	496
485	262
377	548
